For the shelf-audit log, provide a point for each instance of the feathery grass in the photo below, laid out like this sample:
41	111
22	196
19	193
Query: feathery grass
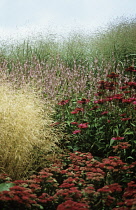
25	134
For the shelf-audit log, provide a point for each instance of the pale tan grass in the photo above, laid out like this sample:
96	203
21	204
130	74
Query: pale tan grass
25	131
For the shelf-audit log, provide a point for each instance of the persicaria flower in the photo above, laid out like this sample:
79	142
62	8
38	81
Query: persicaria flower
79	109
109	99
99	94
83	125
127	92
126	101
122	115
74	123
102	84
117	138
76	131
94	107
130	69
76	110
100	101
63	102
134	102
113	75
118	96
124	87
83	101
104	113
125	119
131	84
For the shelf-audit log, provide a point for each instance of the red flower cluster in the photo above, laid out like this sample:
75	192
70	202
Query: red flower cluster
121	145
113	75
20	195
130	69
107	85
83	101
77	110
63	102
75	181
111	188
72	205
113	163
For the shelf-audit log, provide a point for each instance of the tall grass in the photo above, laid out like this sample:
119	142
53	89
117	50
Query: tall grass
26	135
70	66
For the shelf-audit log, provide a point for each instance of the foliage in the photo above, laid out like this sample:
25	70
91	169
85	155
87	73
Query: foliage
105	123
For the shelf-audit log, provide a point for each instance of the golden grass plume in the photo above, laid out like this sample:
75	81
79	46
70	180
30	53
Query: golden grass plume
25	131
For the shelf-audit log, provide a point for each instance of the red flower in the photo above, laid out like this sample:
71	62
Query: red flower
126	100
99	94
94	107
130	69
125	119
83	101
77	110
74	123
76	131
117	138
72	205
131	84
63	102
112	75
122	115
118	96
104	113
127	92
83	125
100	101
121	145
74	112
124	87
134	102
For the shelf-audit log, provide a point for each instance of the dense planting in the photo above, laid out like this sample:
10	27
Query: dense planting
105	122
76	181
68	122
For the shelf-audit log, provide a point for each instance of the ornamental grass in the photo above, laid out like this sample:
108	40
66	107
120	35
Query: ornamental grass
26	135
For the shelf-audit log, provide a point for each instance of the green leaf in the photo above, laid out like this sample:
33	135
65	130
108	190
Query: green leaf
130	157
6	186
129	133
111	142
133	124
